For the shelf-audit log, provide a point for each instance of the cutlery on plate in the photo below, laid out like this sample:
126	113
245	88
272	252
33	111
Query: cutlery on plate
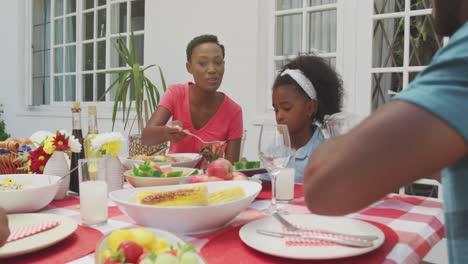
343	242
289	226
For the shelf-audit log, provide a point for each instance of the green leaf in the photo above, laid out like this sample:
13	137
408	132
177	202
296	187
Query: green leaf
122	52
133	47
132	78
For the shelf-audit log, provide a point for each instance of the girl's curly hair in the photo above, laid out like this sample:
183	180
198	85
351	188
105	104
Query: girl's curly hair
324	78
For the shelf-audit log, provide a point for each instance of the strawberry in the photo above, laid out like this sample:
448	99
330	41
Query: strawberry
131	250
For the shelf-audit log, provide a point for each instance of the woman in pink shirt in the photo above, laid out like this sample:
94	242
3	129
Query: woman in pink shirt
197	106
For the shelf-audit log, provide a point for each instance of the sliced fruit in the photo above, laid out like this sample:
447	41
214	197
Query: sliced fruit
116	237
143	236
165	168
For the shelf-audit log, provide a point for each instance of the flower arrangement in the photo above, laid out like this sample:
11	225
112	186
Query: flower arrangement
108	143
61	141
46	144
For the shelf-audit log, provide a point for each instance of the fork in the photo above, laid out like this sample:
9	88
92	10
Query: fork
197	137
294	228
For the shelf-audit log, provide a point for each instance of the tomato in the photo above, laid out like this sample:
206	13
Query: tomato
131	250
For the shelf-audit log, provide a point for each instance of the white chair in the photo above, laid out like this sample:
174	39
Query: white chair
426	181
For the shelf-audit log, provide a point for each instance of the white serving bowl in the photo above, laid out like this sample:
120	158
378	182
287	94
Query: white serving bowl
194	158
137	181
186	219
38	191
171	239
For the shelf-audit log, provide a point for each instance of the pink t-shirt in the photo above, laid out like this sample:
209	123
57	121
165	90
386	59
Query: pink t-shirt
226	124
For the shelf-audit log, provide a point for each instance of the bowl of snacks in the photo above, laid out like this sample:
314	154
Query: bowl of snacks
145	246
151	174
25	193
187	208
186	160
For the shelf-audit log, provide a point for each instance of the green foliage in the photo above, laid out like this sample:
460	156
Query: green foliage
3	134
133	77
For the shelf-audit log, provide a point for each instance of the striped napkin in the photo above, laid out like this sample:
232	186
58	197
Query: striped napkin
298	241
29	230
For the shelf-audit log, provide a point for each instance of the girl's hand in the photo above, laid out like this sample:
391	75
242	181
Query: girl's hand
174	131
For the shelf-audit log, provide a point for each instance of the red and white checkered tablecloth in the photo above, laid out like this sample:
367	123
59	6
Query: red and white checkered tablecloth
418	222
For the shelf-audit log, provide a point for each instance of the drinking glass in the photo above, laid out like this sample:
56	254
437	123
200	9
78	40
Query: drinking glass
274	151
339	123
285	183
93	191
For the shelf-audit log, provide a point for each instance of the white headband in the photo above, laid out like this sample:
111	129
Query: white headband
303	82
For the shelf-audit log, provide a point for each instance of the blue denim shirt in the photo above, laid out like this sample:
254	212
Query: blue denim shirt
302	154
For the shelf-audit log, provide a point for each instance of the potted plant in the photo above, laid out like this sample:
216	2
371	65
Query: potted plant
146	94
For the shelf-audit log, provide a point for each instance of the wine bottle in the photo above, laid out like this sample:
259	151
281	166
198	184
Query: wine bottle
76	124
92	133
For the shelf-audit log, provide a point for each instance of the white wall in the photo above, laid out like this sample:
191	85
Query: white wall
235	24
166	37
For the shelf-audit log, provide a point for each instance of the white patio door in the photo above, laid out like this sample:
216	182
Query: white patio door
396	40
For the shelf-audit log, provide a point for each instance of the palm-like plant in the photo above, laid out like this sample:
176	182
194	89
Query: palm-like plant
143	87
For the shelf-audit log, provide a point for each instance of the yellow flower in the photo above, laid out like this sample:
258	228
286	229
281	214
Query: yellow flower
48	145
112	148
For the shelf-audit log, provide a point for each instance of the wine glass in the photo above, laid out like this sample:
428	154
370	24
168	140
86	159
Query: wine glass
274	151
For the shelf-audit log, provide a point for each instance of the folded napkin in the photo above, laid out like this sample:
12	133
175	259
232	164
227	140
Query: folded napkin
29	230
299	241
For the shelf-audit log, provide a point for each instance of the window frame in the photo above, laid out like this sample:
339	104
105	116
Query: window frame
61	109
345	65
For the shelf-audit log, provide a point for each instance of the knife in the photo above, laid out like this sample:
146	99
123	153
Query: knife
343	242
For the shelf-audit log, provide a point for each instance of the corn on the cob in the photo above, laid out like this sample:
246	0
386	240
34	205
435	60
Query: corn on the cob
195	195
226	195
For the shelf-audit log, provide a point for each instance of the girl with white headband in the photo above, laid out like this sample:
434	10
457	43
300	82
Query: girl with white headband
305	91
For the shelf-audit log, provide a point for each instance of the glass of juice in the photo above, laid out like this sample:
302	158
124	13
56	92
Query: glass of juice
93	191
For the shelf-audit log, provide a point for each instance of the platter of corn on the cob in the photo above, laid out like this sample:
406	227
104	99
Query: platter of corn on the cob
187	208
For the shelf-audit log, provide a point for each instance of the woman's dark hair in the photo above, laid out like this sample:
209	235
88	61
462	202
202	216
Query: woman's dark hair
323	77
197	41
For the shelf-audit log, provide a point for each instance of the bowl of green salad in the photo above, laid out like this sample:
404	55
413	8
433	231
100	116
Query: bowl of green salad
151	174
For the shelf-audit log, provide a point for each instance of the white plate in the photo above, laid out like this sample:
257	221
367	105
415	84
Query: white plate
40	240
277	247
172	240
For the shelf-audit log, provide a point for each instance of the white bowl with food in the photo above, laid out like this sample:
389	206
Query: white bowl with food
186	160
184	208
148	245
26	193
142	181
